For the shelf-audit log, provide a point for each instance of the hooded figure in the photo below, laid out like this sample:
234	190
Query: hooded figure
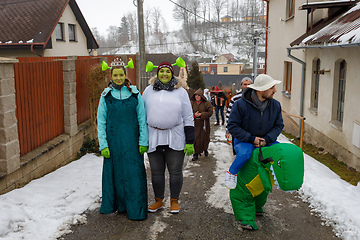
202	110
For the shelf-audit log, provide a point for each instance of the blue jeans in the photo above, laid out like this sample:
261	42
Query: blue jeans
221	108
243	154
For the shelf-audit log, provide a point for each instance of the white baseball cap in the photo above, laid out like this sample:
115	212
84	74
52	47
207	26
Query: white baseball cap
263	82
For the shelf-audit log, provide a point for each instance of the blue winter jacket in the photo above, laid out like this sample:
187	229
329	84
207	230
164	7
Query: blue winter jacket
247	122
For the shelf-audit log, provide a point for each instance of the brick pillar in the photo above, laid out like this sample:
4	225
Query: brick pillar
9	140
70	108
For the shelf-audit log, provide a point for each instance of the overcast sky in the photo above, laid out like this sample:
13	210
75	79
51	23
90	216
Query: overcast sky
102	14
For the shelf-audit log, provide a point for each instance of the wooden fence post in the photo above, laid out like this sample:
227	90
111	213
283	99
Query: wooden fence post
9	140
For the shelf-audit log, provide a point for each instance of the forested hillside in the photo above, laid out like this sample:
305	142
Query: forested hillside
208	27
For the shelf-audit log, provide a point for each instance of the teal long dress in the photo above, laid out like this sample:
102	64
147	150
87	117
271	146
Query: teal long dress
124	185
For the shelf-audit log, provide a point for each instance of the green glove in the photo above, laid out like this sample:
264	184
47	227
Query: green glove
189	149
105	152
142	149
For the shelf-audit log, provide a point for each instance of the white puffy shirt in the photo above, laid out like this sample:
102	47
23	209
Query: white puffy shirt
168	110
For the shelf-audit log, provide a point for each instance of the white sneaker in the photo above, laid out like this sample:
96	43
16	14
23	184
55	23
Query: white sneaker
230	180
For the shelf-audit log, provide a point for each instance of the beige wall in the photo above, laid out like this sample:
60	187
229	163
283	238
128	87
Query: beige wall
67	48
221	59
323	119
232	69
10	53
281	33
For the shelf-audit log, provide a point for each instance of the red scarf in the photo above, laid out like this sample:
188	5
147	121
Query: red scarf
198	102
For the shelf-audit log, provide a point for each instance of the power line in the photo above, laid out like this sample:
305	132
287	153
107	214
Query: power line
218	25
181	42
207	20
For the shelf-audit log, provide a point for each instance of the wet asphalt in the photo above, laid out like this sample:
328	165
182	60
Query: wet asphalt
286	215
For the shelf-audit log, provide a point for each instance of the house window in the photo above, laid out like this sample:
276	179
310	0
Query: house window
288	77
59	30
341	92
72	32
316	84
203	69
225	69
213	70
290	8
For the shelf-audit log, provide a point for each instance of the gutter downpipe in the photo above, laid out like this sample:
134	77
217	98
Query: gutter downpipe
32	50
302	86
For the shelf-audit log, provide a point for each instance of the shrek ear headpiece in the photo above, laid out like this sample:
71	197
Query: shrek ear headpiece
179	62
117	62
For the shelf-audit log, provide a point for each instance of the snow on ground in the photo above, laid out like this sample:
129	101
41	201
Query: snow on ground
334	200
46	207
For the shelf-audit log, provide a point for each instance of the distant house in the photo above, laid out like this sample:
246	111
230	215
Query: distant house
256	18
225	58
44	28
317	60
221	68
226	18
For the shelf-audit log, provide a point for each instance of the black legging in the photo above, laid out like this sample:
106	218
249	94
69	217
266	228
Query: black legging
174	161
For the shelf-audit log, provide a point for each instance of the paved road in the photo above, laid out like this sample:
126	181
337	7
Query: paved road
205	211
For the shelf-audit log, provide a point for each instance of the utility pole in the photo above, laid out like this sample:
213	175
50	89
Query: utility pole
140	12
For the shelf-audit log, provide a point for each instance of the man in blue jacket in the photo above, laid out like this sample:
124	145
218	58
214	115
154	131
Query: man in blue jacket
254	120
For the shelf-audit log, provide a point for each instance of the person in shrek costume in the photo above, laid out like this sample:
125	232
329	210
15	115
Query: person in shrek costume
123	139
281	164
255	120
171	131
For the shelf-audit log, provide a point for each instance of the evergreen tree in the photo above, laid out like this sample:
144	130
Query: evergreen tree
195	79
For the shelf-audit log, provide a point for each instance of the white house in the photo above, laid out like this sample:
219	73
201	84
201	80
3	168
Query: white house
313	47
44	28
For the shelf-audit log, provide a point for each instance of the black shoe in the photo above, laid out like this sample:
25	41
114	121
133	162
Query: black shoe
206	153
195	157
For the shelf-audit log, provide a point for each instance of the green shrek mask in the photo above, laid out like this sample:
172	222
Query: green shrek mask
118	75
165	72
281	164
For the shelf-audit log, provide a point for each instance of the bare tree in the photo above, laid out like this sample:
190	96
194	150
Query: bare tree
181	13
132	21
218	7
124	31
148	28
156	18
112	37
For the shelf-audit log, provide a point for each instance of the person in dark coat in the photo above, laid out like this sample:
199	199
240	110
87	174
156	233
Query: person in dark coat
255	120
202	110
219	103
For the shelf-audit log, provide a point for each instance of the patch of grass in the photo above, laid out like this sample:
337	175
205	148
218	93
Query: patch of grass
346	173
